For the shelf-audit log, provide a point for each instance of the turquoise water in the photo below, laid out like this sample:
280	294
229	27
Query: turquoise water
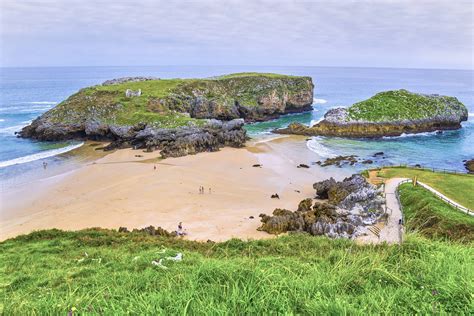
25	93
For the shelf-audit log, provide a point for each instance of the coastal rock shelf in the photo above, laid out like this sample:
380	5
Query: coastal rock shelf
390	113
178	116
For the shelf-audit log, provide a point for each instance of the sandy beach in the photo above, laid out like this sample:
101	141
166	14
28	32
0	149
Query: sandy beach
124	189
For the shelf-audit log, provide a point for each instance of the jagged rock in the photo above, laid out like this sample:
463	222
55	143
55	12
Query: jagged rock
257	165
339	161
127	79
275	196
353	204
302	165
322	187
469	164
380	153
305	205
367	161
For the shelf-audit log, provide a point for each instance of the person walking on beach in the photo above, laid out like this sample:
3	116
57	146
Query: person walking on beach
154	167
209	190
45	164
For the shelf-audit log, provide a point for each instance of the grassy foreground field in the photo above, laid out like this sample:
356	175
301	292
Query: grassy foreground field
458	187
431	217
106	272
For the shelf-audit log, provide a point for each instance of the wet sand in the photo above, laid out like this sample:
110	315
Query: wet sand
122	189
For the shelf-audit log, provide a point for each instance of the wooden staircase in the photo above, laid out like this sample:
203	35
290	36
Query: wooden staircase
375	230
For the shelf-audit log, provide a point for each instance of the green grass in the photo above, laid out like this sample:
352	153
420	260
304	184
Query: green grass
48	273
458	187
402	104
430	216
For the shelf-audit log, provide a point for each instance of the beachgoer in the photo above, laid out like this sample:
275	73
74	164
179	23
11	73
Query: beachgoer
45	164
180	231
209	190
154	167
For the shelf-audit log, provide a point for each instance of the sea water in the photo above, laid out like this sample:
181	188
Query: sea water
26	93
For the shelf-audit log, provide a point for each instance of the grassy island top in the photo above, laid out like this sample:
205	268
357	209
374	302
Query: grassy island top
165	102
404	105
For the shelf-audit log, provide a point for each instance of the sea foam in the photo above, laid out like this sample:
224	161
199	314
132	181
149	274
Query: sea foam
42	102
315	145
319	101
38	156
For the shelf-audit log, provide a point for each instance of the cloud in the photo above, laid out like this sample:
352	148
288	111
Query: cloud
357	33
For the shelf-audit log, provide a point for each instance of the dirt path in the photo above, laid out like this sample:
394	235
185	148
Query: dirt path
390	232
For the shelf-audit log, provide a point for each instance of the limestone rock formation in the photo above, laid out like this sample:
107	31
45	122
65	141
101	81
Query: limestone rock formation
178	116
351	205
390	113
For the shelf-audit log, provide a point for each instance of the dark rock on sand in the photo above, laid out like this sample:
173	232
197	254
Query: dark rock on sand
302	165
275	196
339	161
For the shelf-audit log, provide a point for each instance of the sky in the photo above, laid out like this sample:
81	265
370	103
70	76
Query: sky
363	33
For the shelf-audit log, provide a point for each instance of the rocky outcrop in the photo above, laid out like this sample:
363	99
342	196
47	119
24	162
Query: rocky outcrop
177	116
390	113
350	206
127	79
469	164
253	97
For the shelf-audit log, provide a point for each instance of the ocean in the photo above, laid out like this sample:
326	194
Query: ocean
26	93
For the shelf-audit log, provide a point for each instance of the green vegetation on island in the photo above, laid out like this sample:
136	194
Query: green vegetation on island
106	272
399	105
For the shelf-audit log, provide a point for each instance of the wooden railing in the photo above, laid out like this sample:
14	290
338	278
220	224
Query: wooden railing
438	194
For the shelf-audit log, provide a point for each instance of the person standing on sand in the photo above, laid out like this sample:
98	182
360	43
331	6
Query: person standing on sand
180	231
154	167
209	190
45	164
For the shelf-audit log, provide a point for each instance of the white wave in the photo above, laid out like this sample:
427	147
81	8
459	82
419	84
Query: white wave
10	130
319	101
315	145
25	109
42	102
2	120
38	156
313	122
470	114
412	135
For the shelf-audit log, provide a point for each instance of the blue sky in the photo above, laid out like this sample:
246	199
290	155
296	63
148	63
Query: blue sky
378	33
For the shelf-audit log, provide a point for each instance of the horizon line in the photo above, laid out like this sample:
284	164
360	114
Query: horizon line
284	66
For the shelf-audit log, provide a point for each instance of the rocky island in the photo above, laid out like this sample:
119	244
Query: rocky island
177	116
389	113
